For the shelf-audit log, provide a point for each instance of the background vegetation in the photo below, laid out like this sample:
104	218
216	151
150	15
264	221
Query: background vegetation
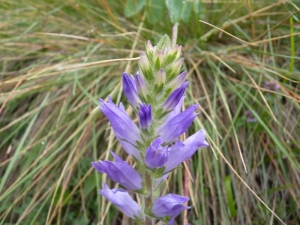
58	57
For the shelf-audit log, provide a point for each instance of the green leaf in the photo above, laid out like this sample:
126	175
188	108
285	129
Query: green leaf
154	11
179	10
186	11
174	7
132	7
229	196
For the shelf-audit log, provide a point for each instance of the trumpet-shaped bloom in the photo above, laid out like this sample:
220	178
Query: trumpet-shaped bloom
145	114
130	90
125	129
156	155
169	205
175	97
123	201
120	172
182	151
177	125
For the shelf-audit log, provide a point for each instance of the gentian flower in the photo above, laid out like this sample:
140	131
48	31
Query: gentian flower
155	142
169	205
177	125
120	172
156	155
182	151
123	201
130	90
125	129
145	114
174	98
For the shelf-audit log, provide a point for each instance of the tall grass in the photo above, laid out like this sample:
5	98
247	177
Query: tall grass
58	57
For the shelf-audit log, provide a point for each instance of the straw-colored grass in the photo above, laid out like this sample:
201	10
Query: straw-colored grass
58	57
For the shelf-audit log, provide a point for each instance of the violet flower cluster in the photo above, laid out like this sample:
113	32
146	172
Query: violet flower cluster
156	94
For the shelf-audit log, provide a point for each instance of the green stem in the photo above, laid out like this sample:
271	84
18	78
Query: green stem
149	198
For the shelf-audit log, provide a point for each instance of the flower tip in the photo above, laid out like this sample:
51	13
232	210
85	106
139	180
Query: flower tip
185	84
101	100
205	144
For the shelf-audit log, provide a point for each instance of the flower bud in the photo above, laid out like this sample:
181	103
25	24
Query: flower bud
174	69
175	97
130	90
160	77
156	155
145	66
140	85
177	81
145	114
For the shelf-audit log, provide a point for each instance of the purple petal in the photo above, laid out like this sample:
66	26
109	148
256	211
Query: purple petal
120	172
175	97
171	222
183	151
145	114
169	205
123	201
176	110
178	81
174	127
125	129
140	85
156	155
130	90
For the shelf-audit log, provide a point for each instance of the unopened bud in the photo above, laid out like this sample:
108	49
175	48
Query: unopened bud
160	77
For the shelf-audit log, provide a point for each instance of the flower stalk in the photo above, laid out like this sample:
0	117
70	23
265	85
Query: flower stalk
156	94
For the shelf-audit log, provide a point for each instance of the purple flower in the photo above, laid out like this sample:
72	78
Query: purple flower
182	151
156	155
140	85
120	172
250	116
125	129
123	201
272	86
145	114
169	205
175	97
177	125
176	110
130	90
171	222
